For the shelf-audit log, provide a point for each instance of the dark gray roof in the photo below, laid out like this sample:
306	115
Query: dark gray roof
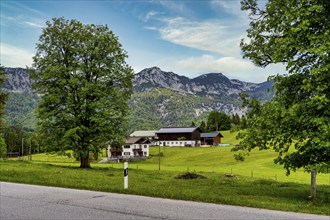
210	135
136	140
176	130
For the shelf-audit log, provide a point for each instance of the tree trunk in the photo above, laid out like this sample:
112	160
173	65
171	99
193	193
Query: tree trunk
313	184
84	162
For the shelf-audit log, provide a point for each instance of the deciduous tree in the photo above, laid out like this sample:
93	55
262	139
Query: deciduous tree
296	33
85	83
3	97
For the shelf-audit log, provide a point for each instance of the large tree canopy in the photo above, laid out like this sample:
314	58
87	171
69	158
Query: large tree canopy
296	33
3	97
81	73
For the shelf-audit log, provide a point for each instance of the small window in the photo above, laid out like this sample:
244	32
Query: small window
145	153
127	153
127	146
145	146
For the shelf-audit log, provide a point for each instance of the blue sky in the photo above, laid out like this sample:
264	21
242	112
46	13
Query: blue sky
188	37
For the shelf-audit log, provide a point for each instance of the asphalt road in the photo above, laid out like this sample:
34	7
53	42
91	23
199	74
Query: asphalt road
20	201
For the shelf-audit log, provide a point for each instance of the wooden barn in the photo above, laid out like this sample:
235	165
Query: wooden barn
179	136
211	138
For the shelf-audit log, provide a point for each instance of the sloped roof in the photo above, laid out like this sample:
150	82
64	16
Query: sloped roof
151	133
211	135
136	140
177	130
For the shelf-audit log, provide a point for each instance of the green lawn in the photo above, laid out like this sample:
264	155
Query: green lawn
216	188
206	159
258	182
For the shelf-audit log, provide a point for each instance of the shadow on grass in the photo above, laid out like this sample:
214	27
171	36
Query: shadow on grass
71	167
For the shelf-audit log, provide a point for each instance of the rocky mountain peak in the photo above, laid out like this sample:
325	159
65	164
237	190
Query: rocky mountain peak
210	84
18	81
154	77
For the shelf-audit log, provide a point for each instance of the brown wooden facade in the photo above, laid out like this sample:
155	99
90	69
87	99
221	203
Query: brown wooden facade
193	135
213	138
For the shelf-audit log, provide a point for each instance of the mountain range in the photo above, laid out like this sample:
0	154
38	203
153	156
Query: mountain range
211	84
160	98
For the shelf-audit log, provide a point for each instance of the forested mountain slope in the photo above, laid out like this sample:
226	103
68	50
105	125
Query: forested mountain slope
160	98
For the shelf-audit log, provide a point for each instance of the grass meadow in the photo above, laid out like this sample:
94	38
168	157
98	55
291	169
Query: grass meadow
258	182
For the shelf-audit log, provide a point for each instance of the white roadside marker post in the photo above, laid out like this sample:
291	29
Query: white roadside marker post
125	175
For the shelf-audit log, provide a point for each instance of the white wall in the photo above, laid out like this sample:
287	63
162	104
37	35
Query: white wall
128	152
176	143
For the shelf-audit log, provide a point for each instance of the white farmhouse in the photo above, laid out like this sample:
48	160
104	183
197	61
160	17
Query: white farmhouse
136	147
150	135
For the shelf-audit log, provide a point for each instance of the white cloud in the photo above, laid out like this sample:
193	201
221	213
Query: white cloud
177	7
22	21
12	56
231	7
224	64
209	35
34	24
19	7
149	15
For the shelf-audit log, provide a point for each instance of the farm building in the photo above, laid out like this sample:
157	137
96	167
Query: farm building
150	135
136	147
212	138
179	136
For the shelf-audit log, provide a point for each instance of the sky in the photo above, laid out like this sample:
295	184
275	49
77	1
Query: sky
187	37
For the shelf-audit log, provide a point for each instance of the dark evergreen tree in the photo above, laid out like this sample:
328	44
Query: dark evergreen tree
218	121
202	126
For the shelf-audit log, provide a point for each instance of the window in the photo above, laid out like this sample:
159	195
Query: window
127	146
145	146
145	153
127	153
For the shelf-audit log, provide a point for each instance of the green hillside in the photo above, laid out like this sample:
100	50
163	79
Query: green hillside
20	109
163	107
